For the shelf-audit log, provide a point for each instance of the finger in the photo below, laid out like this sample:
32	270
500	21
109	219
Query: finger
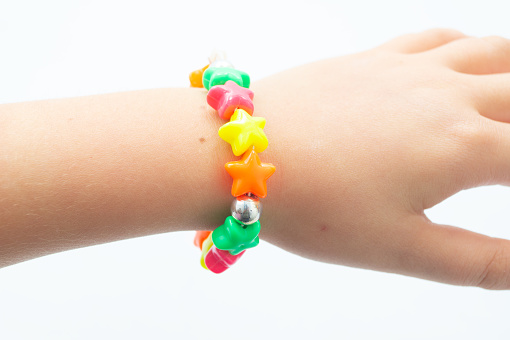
423	41
491	139
497	155
482	152
491	94
476	55
455	256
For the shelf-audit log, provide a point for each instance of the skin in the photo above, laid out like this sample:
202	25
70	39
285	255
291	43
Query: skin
362	145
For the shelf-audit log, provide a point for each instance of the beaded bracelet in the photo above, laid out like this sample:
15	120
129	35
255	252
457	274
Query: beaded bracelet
229	94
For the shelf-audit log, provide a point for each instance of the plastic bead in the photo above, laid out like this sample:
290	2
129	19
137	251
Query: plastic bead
229	94
222	63
217	55
195	77
200	237
246	209
206	246
235	237
250	174
244	131
220	75
218	260
227	98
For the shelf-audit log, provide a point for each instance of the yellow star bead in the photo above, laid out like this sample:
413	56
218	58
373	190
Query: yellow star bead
206	246
244	131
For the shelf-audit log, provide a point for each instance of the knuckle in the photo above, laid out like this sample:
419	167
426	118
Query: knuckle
495	272
478	148
478	134
444	33
497	43
477	145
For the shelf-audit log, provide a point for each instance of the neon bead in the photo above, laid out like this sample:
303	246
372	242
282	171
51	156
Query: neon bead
250	174
218	260
200	237
220	75
235	237
206	246
195	77
227	98
244	131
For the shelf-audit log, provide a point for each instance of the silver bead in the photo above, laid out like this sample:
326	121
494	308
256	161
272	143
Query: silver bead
246	209
221	63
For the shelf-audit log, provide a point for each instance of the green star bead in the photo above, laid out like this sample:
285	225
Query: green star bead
220	75
236	237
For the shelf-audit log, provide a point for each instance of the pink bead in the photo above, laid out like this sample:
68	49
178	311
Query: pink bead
229	97
218	260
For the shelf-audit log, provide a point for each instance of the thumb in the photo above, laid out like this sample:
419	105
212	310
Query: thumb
455	256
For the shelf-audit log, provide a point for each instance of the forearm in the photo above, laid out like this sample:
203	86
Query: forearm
89	170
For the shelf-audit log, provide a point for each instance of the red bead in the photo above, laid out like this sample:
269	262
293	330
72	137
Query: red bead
229	97
218	260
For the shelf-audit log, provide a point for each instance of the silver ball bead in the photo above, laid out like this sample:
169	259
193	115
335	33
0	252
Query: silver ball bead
221	63
246	209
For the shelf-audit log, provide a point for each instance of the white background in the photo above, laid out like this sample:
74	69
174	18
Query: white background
153	287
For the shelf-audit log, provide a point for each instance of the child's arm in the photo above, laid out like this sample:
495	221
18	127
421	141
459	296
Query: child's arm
89	170
362	145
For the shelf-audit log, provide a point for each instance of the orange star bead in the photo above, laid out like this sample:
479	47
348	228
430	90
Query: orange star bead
195	77
250	174
200	237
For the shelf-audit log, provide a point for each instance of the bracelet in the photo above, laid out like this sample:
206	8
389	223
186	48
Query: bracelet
230	96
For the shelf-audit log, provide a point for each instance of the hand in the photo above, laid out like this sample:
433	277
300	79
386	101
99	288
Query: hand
362	144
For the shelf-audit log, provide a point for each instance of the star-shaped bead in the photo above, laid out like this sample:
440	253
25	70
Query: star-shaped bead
227	98
218	260
250	174
195	77
235	237
200	237
220	75
244	131
206	246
